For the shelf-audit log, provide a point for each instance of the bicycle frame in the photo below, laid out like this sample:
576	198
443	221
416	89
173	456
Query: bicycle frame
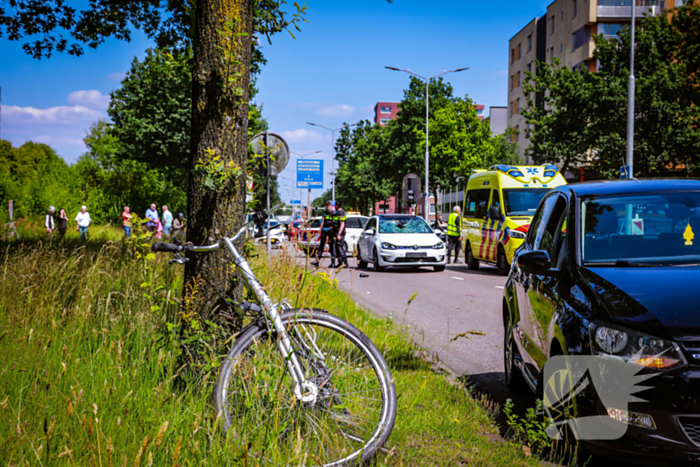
270	309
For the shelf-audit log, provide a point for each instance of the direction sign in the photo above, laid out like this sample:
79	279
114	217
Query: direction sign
310	174
295	201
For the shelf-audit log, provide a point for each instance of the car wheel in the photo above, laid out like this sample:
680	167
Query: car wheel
502	262
439	268
472	263
375	262
361	264
514	376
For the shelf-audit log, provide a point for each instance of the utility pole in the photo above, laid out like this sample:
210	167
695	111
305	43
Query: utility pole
630	104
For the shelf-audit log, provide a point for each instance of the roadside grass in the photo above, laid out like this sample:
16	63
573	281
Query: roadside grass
90	377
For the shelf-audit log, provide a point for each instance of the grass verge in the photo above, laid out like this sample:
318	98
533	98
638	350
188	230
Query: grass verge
90	375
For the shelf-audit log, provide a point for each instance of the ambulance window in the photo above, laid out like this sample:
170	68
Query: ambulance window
476	204
496	199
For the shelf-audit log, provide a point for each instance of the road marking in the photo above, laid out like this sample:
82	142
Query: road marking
458	278
498	287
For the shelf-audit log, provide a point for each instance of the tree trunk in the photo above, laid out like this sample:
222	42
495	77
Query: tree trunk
219	141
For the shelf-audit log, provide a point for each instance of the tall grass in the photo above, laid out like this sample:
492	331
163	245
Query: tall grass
90	372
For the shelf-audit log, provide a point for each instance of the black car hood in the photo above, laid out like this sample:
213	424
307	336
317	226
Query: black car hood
662	301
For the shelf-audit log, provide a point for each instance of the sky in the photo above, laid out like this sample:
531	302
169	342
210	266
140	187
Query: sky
332	72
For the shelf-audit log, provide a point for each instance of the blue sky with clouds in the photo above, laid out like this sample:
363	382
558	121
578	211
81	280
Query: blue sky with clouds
333	72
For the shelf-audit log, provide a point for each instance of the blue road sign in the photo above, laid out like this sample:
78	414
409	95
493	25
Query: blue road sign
310	174
295	201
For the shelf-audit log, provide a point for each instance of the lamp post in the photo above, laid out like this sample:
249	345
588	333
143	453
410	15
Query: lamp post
630	103
297	177
333	147
427	119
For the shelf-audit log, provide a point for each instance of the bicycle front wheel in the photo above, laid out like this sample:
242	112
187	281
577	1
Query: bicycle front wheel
344	415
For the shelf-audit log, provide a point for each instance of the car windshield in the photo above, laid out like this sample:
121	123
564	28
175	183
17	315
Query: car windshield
399	225
522	201
645	229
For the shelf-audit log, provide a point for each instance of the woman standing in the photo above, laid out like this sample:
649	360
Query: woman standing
62	222
49	222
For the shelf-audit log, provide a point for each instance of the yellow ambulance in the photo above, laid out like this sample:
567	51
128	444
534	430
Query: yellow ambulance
498	208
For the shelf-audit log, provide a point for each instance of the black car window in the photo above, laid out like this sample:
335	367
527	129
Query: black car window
370	224
537	227
477	203
555	231
352	223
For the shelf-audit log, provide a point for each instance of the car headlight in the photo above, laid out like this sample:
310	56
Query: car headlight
438	246
516	234
634	347
388	246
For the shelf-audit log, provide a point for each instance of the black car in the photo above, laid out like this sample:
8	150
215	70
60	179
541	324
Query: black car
610	271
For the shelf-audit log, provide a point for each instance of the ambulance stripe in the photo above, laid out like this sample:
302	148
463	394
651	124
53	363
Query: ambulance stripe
493	243
484	231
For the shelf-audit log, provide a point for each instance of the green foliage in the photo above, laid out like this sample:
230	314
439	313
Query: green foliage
583	116
528	431
217	176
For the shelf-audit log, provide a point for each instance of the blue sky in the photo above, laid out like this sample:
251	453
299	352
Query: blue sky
333	72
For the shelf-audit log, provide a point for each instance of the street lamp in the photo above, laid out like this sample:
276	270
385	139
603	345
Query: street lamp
427	118
308	204
333	146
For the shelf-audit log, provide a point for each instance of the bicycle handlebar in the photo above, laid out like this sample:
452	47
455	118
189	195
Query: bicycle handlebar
189	246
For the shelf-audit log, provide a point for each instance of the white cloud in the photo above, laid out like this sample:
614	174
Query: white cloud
91	98
61	114
306	139
117	76
341	110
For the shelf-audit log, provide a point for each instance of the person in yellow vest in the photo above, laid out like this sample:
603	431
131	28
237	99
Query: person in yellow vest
454	234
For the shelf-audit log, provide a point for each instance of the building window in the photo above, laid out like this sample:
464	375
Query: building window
680	3
561	46
516	134
385	121
386	109
512	55
529	67
576	8
518	52
518	100
529	42
562	15
518	79
609	30
582	36
551	21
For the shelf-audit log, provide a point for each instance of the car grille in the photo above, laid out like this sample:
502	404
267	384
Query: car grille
691	427
411	248
415	260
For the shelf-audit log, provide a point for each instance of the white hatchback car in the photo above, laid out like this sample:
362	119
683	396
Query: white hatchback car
400	240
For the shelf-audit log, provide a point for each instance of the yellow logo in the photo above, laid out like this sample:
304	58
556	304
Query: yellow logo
688	235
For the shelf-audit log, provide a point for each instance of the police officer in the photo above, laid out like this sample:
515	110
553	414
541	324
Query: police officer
340	253
454	234
327	236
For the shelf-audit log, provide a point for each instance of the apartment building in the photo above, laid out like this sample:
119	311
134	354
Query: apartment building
385	112
566	32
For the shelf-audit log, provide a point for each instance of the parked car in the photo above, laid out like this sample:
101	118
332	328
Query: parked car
441	233
277	236
400	240
310	237
609	271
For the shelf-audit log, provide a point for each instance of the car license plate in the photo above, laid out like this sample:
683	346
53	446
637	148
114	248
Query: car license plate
416	255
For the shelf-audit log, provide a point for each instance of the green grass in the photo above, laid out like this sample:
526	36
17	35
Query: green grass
90	374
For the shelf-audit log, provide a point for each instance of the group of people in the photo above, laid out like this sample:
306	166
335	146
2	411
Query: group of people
59	223
333	233
165	225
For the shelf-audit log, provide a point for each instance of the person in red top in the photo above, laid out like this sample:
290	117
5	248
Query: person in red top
126	220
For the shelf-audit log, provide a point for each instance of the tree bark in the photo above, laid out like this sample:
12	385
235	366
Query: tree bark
220	94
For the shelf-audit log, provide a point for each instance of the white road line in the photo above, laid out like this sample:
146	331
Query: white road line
458	278
498	286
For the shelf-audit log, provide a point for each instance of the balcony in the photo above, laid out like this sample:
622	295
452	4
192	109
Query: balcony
621	9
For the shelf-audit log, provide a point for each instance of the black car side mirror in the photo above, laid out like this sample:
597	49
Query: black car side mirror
536	262
495	212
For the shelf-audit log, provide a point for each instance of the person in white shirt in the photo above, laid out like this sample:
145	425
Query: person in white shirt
49	222
84	221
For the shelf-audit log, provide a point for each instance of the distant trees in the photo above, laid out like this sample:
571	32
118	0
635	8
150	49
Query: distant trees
373	160
584	115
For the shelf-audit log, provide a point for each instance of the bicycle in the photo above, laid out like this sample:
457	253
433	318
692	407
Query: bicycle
299	386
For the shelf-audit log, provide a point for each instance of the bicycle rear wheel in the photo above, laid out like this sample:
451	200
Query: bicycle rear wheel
344	416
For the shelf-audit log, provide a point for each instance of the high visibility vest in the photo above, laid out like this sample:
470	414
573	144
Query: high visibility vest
452	225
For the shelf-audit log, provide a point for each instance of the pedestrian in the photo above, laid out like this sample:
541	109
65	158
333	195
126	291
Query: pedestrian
179	226
126	222
84	221
62	222
167	221
49	222
159	229
438	223
340	218
152	216
327	224
454	234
